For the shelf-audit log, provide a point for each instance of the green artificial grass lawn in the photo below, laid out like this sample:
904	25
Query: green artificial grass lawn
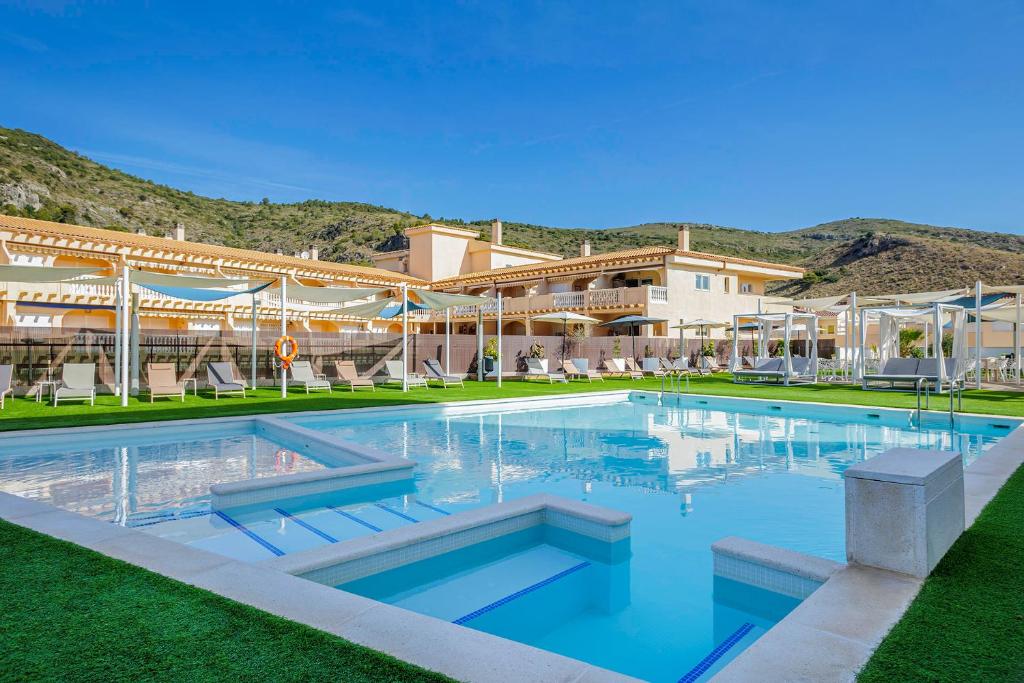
61	603
25	413
967	624
70	614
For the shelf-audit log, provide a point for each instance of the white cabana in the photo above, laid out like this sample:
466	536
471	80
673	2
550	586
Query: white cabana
898	372
787	369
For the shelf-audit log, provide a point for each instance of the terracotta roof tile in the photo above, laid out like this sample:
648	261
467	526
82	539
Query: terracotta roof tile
639	254
132	240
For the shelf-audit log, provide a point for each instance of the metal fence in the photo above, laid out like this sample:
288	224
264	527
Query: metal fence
38	353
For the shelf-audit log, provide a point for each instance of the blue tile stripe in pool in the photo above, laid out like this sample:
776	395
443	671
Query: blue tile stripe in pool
250	533
520	593
397	513
349	515
716	654
136	522
305	525
432	507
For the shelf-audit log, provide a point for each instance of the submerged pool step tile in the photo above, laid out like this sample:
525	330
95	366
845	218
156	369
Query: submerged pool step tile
376	516
330	522
473	589
282	532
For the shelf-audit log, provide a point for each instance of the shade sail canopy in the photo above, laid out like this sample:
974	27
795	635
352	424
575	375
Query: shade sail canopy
14	273
564	317
395	310
366	311
823	303
331	295
439	301
142	277
201	293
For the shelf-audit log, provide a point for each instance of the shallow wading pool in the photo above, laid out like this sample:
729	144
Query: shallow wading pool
690	470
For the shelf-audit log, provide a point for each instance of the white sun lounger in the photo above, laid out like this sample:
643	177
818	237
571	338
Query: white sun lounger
393	370
437	373
78	381
535	369
302	372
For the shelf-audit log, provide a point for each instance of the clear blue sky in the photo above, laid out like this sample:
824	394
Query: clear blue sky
756	114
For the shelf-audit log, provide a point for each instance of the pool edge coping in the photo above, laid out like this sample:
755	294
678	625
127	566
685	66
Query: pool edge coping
434	644
832	634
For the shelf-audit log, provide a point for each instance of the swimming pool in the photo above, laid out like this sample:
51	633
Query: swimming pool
690	470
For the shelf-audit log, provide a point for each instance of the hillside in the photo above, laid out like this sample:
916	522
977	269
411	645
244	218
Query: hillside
39	178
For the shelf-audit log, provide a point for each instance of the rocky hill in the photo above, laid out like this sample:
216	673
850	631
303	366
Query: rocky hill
39	178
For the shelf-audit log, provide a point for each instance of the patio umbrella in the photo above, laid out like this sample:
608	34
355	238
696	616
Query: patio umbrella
632	320
698	323
564	317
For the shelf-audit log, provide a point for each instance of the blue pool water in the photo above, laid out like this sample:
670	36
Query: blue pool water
690	471
142	478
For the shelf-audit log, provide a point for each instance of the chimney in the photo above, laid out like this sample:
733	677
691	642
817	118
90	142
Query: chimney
496	231
314	253
585	248
279	252
305	255
684	238
179	232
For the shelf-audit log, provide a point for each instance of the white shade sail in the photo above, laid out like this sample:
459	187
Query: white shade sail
331	295
439	301
366	311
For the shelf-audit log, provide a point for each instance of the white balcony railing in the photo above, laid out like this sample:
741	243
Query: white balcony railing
657	295
569	299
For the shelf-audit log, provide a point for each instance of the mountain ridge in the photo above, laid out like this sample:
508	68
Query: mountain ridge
41	179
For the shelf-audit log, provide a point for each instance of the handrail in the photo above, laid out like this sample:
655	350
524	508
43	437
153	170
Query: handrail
917	385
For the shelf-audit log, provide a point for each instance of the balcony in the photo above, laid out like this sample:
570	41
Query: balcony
589	300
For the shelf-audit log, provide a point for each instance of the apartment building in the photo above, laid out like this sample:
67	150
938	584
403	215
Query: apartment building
663	282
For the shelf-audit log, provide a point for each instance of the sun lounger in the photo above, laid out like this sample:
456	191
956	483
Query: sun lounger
6	372
570	370
437	373
347	374
221	376
775	369
583	365
393	370
163	381
618	367
302	372
632	367
534	368
78	381
706	363
682	366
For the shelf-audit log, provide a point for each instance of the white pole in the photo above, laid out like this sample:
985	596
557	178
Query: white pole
500	354
856	344
405	335
479	343
977	334
1016	342
284	332
681	338
125	321
117	339
252	359
448	340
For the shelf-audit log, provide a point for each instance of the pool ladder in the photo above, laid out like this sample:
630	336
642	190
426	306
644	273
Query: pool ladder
956	390
675	383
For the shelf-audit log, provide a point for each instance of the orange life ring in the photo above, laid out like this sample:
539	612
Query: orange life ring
293	346
284	460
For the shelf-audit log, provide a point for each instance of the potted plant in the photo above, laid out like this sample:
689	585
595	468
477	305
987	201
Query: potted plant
490	354
617	348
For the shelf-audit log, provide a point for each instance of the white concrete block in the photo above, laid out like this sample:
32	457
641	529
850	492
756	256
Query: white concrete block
904	509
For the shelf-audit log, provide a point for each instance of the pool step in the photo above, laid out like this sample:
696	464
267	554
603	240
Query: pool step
266	533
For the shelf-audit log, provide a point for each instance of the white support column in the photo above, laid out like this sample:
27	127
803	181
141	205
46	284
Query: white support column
977	334
448	340
252	358
126	289
284	332
856	369
479	343
117	340
405	336
1016	341
736	362
500	354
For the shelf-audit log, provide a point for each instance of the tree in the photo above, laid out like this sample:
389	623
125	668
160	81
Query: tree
909	338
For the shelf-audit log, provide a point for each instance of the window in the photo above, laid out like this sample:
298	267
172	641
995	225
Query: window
702	282
746	288
28	260
725	283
